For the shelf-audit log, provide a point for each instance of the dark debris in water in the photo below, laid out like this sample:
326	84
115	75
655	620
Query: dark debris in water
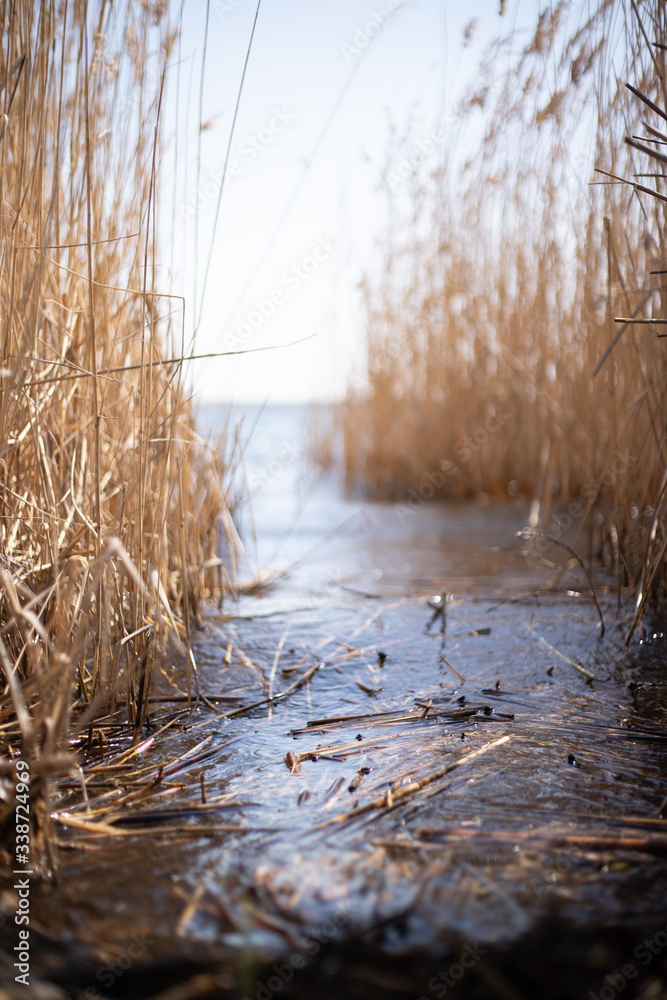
436	816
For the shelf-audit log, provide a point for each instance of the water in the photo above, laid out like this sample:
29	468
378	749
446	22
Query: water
300	521
436	640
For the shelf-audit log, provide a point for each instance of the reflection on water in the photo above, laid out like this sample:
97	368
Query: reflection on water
301	521
387	785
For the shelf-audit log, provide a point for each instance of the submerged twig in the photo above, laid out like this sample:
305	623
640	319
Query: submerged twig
552	649
392	797
277	697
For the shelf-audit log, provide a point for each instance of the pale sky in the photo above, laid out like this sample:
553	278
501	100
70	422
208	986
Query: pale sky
301	212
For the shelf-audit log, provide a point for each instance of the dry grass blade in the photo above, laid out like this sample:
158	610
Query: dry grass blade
393	797
502	275
109	496
647	101
304	679
653	843
561	656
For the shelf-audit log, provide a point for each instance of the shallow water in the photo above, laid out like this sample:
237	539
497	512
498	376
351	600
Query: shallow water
559	819
301	520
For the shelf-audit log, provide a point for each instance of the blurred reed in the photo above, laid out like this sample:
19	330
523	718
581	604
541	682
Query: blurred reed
508	274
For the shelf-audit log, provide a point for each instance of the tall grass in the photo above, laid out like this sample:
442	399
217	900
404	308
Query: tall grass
110	502
503	278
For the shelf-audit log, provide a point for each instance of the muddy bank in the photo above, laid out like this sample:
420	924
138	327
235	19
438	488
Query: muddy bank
555	962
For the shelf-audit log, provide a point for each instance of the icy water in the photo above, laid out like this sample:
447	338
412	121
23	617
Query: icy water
444	778
301	520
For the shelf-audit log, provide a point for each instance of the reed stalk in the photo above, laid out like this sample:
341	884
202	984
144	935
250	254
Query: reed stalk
110	501
514	323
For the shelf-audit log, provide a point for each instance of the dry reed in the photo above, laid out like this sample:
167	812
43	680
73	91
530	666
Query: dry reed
110	501
503	281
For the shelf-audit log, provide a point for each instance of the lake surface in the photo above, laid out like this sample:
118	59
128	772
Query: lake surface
447	776
300	520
